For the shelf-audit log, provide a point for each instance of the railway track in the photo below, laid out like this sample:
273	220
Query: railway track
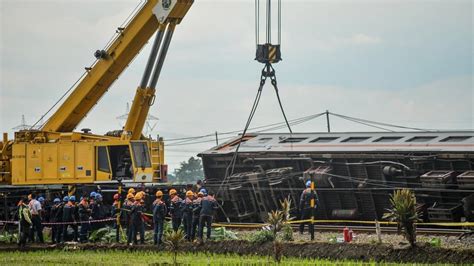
359	228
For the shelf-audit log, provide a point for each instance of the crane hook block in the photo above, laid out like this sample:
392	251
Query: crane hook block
268	53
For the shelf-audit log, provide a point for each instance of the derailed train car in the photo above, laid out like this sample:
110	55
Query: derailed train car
354	173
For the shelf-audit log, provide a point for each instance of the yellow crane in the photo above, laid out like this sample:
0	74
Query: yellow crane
55	154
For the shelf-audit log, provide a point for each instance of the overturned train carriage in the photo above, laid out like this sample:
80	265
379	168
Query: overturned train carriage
354	173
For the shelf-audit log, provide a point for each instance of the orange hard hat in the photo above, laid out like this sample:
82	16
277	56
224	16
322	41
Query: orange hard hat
172	191
159	193
131	190
189	193
130	196
138	196
141	193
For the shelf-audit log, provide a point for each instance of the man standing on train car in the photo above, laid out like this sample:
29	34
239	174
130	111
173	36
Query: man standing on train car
305	204
35	210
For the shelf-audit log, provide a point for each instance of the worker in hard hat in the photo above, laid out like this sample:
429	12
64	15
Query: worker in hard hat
208	208
69	217
187	207
131	191
305	204
126	209
159	213
196	212
84	216
137	221
55	212
115	205
25	222
176	211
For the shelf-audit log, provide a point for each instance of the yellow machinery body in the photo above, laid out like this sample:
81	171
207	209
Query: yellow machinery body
56	154
79	158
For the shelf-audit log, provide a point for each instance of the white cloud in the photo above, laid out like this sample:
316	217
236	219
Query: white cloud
362	39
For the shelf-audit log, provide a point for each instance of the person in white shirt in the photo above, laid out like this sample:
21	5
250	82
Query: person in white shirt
35	208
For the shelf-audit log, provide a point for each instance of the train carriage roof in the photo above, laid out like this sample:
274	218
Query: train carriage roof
426	141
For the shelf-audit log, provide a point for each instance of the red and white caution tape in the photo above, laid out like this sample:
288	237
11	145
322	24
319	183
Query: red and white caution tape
65	223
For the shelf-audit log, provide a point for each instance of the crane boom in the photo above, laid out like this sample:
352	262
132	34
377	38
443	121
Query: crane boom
113	61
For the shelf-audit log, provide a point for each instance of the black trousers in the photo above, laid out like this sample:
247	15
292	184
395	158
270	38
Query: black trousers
195	226
205	220
137	228
36	228
305	214
54	233
59	232
188	225
24	233
74	228
176	222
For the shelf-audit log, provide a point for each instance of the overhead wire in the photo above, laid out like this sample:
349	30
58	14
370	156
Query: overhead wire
380	123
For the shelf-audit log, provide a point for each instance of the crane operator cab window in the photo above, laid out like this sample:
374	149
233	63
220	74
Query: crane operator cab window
117	161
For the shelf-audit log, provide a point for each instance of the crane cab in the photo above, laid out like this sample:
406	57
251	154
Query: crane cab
128	162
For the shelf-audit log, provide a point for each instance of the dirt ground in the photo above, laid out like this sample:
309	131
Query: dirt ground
390	239
423	253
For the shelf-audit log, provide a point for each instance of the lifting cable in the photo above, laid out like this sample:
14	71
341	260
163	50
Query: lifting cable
267	54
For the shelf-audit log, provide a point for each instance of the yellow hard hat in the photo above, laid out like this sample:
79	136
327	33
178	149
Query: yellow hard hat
159	193
138	196
131	190
173	191
130	196
189	193
141	193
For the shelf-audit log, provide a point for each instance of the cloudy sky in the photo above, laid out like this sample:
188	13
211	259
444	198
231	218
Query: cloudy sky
404	62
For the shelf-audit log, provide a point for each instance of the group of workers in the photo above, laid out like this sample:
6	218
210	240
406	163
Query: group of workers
194	212
62	214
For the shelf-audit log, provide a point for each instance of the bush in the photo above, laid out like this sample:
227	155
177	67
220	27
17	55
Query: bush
287	233
261	237
404	212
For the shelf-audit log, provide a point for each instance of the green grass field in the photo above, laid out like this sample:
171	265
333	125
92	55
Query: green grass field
112	257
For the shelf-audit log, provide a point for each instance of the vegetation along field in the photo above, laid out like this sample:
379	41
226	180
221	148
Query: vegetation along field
58	257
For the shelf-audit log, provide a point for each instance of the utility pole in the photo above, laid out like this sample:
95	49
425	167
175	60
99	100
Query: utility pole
327	121
217	139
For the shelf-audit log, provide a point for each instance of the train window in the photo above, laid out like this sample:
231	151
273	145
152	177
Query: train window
323	139
292	140
355	139
264	140
387	139
421	139
455	138
102	160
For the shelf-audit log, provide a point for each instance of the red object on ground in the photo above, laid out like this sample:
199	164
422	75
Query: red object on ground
345	233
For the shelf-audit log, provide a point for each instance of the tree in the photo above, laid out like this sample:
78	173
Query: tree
190	171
